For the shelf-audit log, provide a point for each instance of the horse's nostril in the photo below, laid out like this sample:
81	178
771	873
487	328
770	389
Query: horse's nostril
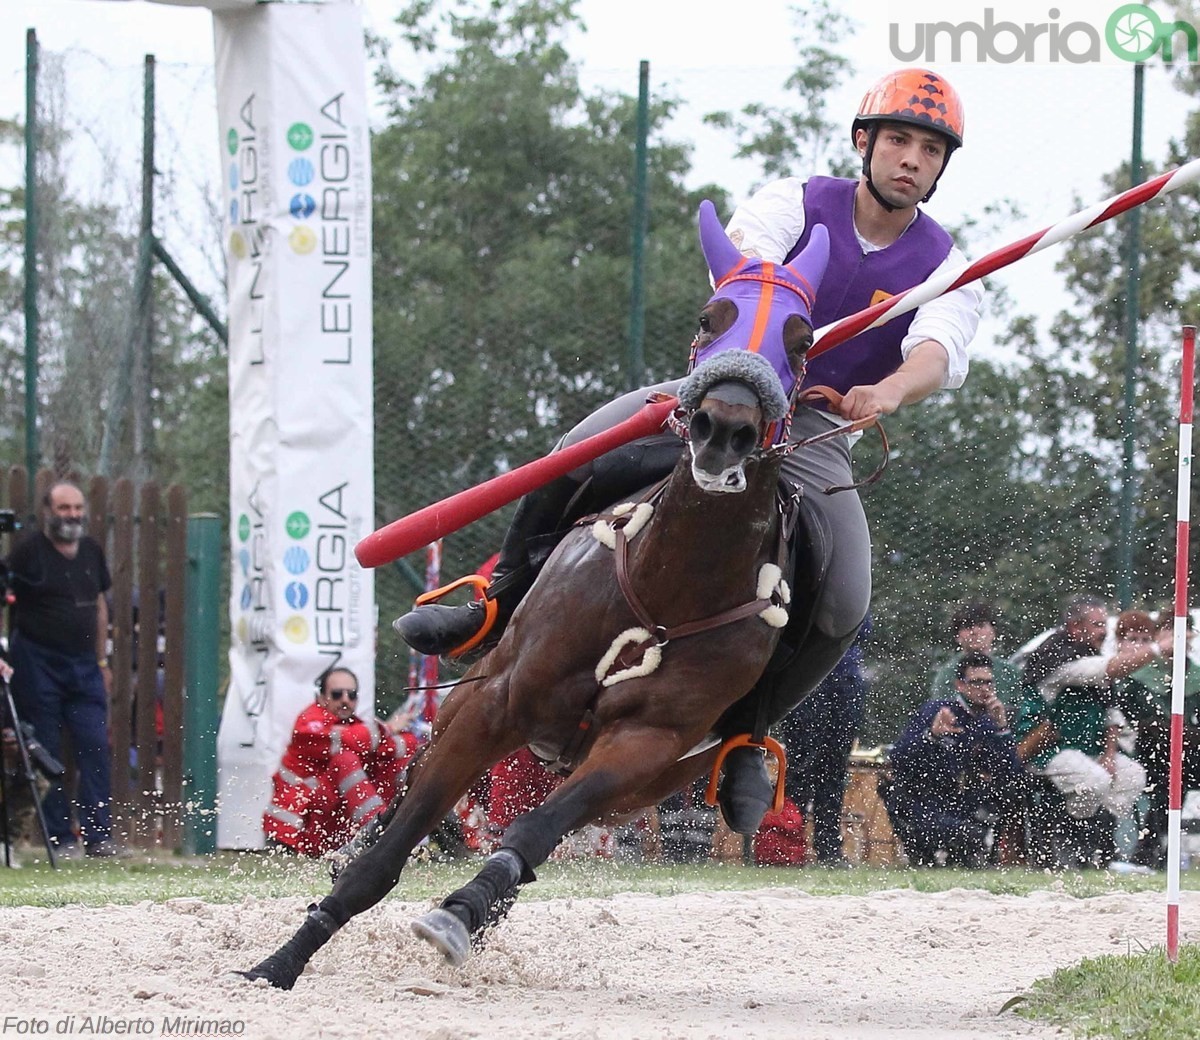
743	439
701	427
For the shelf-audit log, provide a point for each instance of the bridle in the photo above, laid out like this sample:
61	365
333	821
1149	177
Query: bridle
775	436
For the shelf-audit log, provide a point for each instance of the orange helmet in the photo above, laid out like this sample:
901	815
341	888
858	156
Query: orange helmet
915	96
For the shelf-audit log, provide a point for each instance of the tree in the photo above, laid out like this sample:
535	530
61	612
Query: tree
800	140
87	255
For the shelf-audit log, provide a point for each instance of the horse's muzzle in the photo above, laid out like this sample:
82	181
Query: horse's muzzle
723	432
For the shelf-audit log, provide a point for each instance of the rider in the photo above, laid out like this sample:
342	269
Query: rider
907	126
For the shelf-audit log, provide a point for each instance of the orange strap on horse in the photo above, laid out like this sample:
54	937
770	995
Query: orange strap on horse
490	607
770	745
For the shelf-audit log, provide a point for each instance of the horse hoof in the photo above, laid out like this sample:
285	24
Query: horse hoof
443	930
278	975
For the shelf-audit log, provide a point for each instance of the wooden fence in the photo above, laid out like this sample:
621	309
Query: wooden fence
144	535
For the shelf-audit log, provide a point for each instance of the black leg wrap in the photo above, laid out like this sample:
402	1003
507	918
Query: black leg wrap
286	964
331	910
532	838
488	896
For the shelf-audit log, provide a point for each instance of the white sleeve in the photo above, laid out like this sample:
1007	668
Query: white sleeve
1086	671
950	320
771	221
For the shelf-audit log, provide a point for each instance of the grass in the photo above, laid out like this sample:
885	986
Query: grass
228	877
1137	996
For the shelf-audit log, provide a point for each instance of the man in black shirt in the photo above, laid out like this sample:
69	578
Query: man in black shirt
59	630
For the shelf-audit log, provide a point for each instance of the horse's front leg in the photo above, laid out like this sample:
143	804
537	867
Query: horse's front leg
621	763
478	736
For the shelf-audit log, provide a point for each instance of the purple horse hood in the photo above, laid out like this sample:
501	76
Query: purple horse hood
765	294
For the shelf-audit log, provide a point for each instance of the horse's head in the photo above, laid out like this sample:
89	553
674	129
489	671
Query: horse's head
749	352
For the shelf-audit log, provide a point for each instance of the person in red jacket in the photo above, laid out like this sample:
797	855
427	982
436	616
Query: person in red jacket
337	773
781	841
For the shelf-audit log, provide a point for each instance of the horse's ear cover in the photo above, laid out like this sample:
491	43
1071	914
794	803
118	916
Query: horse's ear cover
722	255
810	265
752	350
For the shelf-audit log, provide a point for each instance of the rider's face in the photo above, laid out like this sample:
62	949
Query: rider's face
905	163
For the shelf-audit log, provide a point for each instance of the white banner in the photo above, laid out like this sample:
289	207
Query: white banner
291	86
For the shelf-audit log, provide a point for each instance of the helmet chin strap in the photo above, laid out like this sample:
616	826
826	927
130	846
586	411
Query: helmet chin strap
887	206
866	169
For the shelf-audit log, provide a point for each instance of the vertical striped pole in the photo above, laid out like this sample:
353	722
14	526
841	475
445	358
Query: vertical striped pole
1179	654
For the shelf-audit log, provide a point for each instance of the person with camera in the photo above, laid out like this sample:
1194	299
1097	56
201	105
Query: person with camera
955	771
59	632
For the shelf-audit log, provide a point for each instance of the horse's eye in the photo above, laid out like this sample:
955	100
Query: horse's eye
705	323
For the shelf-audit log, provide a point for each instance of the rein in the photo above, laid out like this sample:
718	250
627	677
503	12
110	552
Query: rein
827	393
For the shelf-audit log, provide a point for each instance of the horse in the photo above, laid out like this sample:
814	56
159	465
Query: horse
641	630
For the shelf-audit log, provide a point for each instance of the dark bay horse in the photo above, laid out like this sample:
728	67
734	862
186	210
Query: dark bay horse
640	632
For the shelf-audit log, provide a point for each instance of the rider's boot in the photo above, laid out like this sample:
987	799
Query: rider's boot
746	792
433	629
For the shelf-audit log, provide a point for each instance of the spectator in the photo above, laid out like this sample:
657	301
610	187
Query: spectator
818	736
691	832
781	841
1070	729
973	629
519	783
1145	700
955	771
61	678
339	771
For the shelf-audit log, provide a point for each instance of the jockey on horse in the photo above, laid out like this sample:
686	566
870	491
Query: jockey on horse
906	128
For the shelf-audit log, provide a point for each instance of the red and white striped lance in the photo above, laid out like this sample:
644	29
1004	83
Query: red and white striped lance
1180	648
830	336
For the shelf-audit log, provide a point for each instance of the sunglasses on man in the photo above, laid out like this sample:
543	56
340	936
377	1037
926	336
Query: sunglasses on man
337	695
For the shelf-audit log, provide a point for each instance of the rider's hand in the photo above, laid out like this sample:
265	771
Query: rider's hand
861	402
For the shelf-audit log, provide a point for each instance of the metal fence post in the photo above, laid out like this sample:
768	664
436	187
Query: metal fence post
200	683
636	374
32	450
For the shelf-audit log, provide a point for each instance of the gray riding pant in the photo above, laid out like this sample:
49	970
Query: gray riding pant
846	591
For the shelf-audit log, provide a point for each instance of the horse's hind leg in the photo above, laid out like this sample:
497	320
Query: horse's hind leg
617	766
477	738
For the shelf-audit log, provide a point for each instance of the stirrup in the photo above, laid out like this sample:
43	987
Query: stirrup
769	745
490	607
